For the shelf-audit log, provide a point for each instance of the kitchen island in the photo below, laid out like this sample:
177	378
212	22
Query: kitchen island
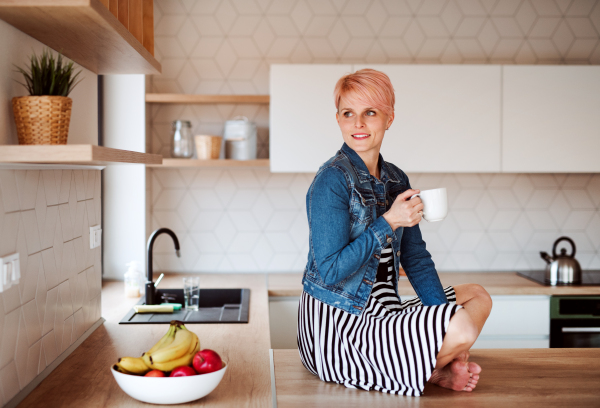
528	378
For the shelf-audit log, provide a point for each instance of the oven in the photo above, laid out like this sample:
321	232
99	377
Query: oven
574	321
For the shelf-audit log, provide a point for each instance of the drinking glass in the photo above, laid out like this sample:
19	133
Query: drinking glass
191	292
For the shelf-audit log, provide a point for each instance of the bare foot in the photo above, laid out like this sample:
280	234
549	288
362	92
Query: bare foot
458	375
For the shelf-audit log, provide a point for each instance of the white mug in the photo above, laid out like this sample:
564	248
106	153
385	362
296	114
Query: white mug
435	204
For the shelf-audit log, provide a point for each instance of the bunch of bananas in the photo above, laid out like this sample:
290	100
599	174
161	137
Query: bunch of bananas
176	348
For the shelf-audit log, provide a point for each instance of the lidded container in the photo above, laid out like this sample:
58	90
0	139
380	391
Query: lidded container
133	280
182	142
240	139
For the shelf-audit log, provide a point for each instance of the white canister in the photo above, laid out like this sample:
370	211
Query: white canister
240	139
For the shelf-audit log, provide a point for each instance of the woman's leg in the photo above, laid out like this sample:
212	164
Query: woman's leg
452	368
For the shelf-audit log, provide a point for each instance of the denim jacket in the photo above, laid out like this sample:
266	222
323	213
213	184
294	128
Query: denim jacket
344	205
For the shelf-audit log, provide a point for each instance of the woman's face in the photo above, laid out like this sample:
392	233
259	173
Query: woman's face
362	126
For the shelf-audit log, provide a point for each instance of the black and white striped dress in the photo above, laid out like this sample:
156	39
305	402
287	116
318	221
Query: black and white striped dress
391	347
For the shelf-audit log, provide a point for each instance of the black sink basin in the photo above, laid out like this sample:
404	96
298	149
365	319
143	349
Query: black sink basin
216	306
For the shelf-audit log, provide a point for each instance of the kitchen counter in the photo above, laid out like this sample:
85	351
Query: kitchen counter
496	283
524	378
84	378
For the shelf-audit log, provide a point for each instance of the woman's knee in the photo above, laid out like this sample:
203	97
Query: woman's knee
469	291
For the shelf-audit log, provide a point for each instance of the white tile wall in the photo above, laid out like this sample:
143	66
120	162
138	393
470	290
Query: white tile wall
45	215
248	220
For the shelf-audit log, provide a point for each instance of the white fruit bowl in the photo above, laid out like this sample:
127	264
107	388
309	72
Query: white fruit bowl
169	390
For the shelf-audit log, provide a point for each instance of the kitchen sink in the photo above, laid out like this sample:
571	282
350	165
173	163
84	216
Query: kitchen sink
216	306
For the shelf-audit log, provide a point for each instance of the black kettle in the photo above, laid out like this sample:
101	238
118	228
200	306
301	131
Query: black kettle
562	269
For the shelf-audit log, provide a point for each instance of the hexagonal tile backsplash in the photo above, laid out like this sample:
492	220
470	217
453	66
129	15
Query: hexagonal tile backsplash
45	216
250	220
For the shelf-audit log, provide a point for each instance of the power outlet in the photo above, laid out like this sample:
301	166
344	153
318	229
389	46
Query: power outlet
10	268
95	236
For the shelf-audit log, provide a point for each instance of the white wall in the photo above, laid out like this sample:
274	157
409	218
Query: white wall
124	194
16	48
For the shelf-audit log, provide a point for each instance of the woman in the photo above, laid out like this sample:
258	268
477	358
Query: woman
352	327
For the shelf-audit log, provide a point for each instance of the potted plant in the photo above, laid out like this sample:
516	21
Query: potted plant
44	116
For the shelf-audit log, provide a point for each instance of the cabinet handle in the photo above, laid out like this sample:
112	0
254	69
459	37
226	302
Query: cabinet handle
581	329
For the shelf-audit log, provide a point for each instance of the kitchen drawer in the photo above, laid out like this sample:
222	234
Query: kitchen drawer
518	316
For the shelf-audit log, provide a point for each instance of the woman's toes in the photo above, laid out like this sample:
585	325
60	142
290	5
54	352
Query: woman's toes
474	368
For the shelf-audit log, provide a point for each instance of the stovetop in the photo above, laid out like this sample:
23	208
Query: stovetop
588	278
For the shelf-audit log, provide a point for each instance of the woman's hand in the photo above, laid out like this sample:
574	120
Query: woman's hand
405	212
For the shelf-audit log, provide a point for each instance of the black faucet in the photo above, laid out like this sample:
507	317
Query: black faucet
150	288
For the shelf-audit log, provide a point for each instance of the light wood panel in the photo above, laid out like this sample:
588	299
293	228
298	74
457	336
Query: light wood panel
496	283
84	378
184	98
73	154
211	163
510	378
84	31
148	10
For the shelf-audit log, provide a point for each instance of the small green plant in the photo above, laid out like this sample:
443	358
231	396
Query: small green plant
49	76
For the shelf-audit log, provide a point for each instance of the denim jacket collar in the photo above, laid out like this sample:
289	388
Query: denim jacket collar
361	168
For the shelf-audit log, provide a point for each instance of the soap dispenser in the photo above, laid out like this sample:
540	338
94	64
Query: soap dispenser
133	279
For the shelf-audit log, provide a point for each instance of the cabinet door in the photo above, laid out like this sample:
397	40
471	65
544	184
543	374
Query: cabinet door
517	322
447	118
303	131
550	119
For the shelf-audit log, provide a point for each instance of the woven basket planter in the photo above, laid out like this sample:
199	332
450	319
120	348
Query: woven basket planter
42	119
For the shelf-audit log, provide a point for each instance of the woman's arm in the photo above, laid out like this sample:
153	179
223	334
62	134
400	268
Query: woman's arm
328	206
419	267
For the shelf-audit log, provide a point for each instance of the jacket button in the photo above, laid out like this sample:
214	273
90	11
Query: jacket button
368	282
357	307
389	240
398	253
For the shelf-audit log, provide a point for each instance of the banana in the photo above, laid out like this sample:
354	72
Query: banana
186	360
121	369
178	348
165	340
134	365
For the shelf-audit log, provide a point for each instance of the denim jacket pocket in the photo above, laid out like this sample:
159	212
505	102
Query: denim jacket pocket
361	204
394	190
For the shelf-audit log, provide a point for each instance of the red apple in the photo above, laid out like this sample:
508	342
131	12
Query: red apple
206	361
182	371
155	373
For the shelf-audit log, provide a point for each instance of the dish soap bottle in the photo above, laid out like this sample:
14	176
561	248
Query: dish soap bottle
132	280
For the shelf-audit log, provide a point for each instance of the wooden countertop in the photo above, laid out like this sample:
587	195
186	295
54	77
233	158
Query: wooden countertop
496	283
510	378
84	378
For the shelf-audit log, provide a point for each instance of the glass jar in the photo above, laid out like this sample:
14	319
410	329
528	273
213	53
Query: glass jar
182	143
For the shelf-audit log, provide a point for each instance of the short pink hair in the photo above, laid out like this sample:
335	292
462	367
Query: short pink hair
369	87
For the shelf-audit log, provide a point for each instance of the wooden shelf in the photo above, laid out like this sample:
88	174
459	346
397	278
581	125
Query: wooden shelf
185	98
73	154
84	31
211	163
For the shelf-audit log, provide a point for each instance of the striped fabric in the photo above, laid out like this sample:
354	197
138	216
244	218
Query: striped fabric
391	347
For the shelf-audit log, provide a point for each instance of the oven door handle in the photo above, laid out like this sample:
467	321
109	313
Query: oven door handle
580	329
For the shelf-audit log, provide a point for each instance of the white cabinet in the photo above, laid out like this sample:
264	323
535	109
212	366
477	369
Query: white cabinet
551	119
447	118
303	130
515	322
